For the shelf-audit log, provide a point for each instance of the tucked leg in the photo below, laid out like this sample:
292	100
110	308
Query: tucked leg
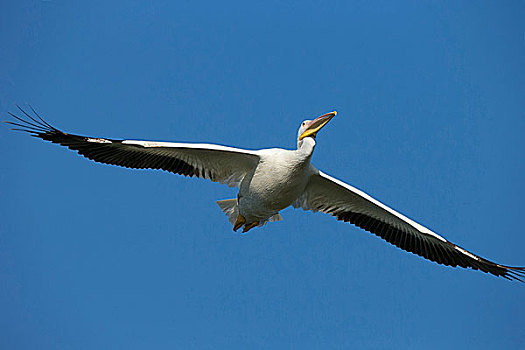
239	222
248	227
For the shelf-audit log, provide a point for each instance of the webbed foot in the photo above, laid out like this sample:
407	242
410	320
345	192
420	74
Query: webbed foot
239	222
250	226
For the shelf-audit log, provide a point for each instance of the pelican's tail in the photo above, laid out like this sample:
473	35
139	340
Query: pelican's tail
230	208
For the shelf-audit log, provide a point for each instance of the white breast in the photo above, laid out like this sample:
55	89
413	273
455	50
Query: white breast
278	180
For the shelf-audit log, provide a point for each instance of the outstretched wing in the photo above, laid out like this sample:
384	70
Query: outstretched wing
331	196
222	164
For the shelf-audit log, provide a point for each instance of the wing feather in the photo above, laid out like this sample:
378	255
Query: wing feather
214	162
331	196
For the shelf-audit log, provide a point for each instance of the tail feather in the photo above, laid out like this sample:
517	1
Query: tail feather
230	208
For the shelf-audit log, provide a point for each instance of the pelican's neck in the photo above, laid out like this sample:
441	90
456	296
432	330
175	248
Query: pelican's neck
306	146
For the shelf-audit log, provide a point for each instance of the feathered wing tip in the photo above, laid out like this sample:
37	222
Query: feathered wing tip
514	273
35	125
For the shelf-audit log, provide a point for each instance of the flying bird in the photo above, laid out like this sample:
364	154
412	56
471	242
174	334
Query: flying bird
270	180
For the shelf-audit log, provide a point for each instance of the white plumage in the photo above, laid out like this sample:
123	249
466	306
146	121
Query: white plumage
270	180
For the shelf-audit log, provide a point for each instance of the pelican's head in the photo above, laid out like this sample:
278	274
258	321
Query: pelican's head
309	128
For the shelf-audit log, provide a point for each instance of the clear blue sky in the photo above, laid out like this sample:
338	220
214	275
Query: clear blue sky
431	121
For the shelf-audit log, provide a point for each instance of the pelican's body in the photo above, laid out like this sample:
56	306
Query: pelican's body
278	180
270	180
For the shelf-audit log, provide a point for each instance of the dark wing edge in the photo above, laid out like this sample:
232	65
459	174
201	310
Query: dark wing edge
404	235
137	155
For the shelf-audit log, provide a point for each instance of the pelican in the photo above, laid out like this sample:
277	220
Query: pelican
270	180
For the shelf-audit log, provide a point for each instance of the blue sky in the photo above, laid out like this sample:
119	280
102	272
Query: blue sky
431	122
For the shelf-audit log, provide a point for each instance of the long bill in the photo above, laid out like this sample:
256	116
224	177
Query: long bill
317	124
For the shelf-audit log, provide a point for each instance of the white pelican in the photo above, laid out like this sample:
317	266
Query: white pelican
270	180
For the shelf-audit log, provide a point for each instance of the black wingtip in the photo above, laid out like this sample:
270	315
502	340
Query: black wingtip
515	273
38	116
29	123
